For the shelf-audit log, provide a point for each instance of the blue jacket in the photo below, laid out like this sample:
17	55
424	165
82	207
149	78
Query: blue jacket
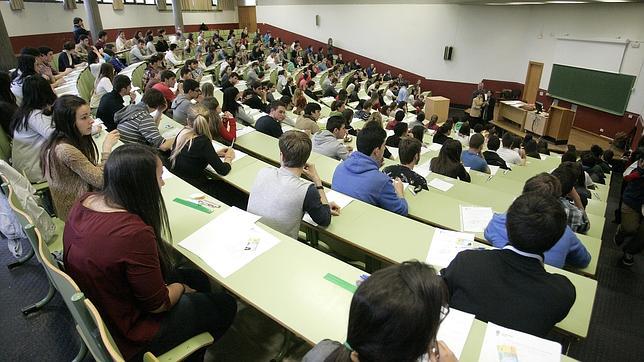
567	251
358	176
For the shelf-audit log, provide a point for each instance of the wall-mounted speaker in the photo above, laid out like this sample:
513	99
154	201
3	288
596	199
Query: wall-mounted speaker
447	53
317	20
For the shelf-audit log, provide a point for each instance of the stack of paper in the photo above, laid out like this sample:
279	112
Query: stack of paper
455	329
218	146
508	345
230	241
446	244
475	219
440	184
332	196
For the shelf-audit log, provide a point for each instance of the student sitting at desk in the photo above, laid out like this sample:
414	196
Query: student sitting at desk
510	286
138	53
472	157
139	123
397	118
231	104
70	158
448	162
491	156
222	129
256	97
167	85
394	316
409	154
400	130
181	105
359	175
112	102
102	84
442	134
271	124
115	251
531	150
329	142
364	110
309	120
567	251
281	197
192	152
171	55
510	156
464	133
576	215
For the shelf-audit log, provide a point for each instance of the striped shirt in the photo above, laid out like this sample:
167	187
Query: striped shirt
136	125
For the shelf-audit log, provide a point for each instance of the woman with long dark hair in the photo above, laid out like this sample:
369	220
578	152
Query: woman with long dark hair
31	127
8	106
102	84
26	66
70	158
448	162
221	128
116	247
231	104
394	316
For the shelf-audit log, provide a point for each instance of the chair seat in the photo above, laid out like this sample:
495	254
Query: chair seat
41	186
183	350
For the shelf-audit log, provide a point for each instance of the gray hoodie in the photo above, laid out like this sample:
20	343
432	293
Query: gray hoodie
325	143
136	125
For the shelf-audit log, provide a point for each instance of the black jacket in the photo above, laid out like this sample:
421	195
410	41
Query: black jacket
493	159
111	102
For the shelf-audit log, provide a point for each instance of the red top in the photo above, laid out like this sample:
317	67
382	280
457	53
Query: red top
226	134
113	258
167	92
391	124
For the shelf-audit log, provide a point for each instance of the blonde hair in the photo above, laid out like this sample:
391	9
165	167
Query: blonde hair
198	124
211	105
207	90
374	117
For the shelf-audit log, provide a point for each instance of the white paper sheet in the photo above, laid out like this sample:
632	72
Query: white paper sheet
455	329
166	174
424	150
446	244
394	152
238	154
230	241
244	130
440	184
508	345
475	219
435	146
422	169
493	169
341	199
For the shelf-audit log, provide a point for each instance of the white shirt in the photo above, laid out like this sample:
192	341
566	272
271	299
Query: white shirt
171	58
103	87
120	44
509	156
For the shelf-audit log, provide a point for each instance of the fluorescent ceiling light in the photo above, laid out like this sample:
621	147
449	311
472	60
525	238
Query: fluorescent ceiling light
566	2
614	1
518	3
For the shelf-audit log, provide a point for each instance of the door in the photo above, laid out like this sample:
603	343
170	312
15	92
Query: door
247	18
532	81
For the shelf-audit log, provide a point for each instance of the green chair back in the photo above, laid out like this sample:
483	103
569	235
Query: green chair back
54	61
224	33
137	75
273	77
85	84
5	146
348	78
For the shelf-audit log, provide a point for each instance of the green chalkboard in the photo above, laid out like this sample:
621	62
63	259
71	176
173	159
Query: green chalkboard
605	91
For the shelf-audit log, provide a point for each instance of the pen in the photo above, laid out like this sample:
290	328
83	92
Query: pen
488	178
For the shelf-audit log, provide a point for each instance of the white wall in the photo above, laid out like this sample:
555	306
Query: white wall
493	42
42	18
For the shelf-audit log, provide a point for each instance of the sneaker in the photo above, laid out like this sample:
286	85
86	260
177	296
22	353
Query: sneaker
628	260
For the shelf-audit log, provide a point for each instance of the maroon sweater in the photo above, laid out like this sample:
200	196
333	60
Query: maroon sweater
114	260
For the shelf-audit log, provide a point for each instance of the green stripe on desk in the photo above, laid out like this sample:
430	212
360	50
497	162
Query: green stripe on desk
340	282
192	205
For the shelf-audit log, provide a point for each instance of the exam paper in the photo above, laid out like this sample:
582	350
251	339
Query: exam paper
455	329
230	241
341	199
423	169
166	174
218	146
244	130
424	150
475	219
440	184
507	345
493	169
446	244
394	152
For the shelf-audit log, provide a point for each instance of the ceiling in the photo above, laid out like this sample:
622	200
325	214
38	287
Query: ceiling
460	2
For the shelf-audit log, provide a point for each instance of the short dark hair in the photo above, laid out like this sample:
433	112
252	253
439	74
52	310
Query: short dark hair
569	156
476	141
401	128
276	104
418	132
30	51
507	140
68	45
567	173
596	150
83	37
233	75
334	122
543	183
370	137
311	107
493	143
408	148
465	129
478	128
77	20
420	117
153	98
167	74
173	46
445	128
102	33
45	50
588	159
295	147
184	70
121	81
399	116
535	222
190	85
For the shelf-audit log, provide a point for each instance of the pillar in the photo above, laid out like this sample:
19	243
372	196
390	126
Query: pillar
178	15
93	18
7	58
